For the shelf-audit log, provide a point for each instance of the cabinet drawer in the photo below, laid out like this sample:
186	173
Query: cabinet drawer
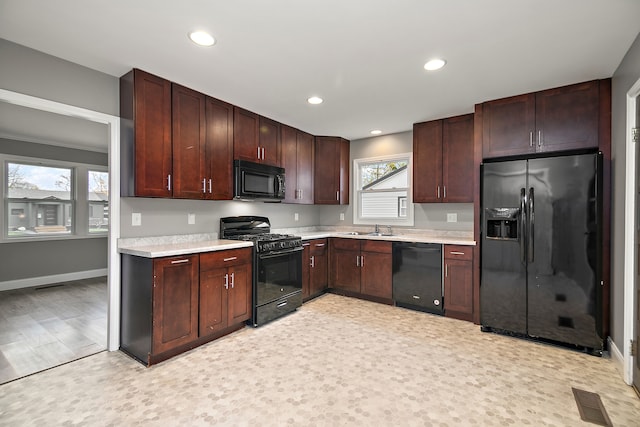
458	252
229	258
376	246
318	246
346	244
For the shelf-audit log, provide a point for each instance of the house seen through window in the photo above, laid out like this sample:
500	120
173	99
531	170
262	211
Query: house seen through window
382	189
42	200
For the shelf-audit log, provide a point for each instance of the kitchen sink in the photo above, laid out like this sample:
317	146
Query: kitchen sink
378	234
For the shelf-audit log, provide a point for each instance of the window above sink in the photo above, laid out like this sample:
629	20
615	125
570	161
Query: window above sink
382	189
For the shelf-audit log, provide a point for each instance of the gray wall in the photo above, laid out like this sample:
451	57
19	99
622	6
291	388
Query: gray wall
426	215
624	78
169	217
34	73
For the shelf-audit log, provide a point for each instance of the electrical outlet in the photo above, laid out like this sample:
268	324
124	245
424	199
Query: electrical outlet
296	216
191	218
136	219
341	216
452	217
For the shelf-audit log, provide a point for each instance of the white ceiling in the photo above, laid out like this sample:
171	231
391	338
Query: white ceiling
364	57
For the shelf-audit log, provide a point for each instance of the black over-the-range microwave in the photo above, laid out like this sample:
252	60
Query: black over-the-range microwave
257	181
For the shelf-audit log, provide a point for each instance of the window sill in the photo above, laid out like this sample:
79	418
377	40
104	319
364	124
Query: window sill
52	238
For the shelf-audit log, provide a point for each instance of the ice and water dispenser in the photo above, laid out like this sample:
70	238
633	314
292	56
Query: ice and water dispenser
502	223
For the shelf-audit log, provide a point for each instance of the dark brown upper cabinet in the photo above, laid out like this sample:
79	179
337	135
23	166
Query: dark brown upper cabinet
331	175
255	138
219	149
443	160
297	150
145	111
564	118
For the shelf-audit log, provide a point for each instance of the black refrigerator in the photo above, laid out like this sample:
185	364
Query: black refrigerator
541	249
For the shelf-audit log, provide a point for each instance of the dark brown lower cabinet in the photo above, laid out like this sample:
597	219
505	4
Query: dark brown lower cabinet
458	282
225	289
314	268
361	267
173	304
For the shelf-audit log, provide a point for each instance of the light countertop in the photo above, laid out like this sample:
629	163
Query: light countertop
164	246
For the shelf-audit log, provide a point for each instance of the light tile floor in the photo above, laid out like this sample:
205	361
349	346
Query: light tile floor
336	362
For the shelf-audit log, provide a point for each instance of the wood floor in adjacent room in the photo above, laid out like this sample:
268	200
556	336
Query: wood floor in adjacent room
51	325
337	361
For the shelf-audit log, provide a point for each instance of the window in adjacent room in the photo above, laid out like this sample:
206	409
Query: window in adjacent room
383	190
98	197
39	199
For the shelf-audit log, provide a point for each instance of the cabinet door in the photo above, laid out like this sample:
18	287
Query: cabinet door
175	302
427	162
240	293
151	100
457	159
269	141
327	170
458	286
376	266
289	161
345	265
219	149
508	126
304	167
567	117
188	118
318	275
306	270
245	135
213	300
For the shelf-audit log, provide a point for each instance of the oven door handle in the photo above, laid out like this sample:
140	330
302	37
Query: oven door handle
278	253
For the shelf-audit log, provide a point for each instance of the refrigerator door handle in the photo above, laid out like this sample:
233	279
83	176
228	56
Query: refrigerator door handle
523	221
530	235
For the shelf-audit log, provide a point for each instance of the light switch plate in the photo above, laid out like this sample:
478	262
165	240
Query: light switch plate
452	217
296	216
136	219
341	216
191	218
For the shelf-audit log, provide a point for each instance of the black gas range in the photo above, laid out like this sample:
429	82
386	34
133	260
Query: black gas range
277	266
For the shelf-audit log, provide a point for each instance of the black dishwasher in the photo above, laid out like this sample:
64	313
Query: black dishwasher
417	276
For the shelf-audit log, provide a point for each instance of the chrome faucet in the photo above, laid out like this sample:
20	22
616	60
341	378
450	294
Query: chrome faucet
377	229
389	230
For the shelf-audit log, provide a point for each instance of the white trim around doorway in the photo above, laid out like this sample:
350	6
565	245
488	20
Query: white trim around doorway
629	239
113	126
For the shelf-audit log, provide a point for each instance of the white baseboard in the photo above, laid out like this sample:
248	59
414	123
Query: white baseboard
46	280
616	357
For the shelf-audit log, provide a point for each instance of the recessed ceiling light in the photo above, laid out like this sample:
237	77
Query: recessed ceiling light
315	100
376	132
201	38
434	64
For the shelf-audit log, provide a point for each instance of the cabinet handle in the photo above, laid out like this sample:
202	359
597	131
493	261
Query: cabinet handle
338	195
306	244
258	154
226	281
169	182
300	194
282	304
313	261
444	191
362	261
262	153
438	191
357	261
530	138
456	253
319	245
210	185
233	258
204	185
540	142
446	270
180	261
233	279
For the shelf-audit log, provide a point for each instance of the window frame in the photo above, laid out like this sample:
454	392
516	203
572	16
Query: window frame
357	185
79	198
